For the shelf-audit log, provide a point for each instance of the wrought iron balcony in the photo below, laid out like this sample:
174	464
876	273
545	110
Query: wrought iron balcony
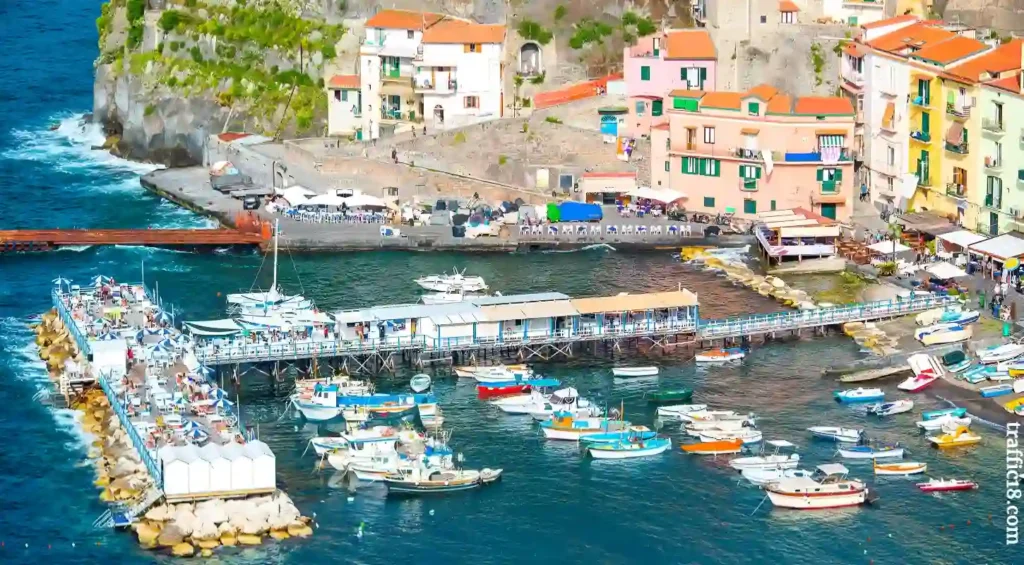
958	148
956	190
958	110
992	125
920	101
920	135
993	164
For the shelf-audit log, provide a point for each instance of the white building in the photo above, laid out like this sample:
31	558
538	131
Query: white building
854	12
344	105
416	66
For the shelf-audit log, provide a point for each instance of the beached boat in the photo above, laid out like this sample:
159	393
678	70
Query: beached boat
662	396
774	460
847	435
635	371
890	408
933	414
1001	353
873	374
761	477
679	412
629	448
872	452
947	422
721	355
859	395
714	447
978	373
457	281
996	390
419	383
827	488
945	485
747	436
943	333
961	437
565	426
955	361
901	468
917	383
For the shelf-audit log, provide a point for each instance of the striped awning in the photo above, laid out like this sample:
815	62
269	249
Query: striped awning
830	141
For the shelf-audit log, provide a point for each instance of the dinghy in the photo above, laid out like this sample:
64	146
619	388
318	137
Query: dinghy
419	383
635	371
678	395
890	408
901	468
997	390
634	432
926	371
747	436
859	395
955	361
944	423
680	412
721	355
943	485
505	388
774	460
1001	353
847	435
871	452
943	333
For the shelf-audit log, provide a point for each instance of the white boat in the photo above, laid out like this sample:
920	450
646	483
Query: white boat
761	477
869	452
366	438
747	436
901	468
1001	353
859	395
678	411
890	408
848	435
703	415
565	426
725	424
503	375
271	301
634	371
943	333
947	422
452	296
470	371
565	400
629	448
775	460
827	488
720	355
453	282
419	383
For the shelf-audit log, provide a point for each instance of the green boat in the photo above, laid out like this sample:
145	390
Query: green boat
663	396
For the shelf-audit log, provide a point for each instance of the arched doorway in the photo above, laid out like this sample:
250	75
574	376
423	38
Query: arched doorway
530	63
439	114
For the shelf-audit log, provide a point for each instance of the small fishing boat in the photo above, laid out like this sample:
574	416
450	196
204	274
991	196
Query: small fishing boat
714	447
429	481
1015	369
419	383
471	371
947	422
501	374
945	485
506	388
629	448
890	408
918	382
719	424
933	414
747	436
997	390
635	371
761	477
847	435
638	432
1001	353
721	355
943	333
827	488
563	401
662	396
859	395
680	412
774	460
978	373
955	361
457	281
901	468
565	426
961	437
872	452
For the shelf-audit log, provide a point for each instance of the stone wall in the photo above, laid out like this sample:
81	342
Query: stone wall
1004	16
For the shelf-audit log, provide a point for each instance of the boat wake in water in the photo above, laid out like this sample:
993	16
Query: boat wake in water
592	247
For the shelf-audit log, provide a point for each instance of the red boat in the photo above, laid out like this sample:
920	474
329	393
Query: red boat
943	485
491	391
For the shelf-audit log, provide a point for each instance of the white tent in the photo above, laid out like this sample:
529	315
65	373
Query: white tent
946	271
664	195
891	246
1000	248
326	200
296	195
962	238
364	201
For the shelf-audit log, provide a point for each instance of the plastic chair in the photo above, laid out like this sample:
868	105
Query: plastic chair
612	230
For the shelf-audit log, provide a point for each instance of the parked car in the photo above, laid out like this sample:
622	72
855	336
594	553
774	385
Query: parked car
251	203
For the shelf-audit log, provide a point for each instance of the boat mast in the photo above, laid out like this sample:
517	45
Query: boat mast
277	228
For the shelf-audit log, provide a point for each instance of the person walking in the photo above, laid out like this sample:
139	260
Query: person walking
863	192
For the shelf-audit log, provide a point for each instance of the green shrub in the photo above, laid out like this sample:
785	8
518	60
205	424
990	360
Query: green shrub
502	159
560	12
552	120
196	53
589	31
170	19
539	79
887	269
149	110
533	31
329	52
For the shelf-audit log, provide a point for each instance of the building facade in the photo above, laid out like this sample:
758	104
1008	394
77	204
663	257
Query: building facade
661	63
1002	123
755	151
344	105
428	69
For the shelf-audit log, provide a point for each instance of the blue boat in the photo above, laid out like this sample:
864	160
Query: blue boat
629	448
859	395
327	403
998	390
979	373
637	432
963	318
954	412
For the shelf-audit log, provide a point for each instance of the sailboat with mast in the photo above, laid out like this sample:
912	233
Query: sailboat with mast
272	301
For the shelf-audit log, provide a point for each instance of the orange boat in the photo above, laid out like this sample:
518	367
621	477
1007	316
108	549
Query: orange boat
714	447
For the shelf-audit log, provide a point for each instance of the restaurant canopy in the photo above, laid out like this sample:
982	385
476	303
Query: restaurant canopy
962	238
946	271
664	195
1000	248
325	200
296	195
635	302
926	222
890	246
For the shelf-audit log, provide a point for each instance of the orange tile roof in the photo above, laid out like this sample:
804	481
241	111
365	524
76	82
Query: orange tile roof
344	81
1010	83
763	91
854	50
788	6
690	44
780	104
1004	58
823	106
684	93
457	31
951	50
890	21
919	35
723	100
403	19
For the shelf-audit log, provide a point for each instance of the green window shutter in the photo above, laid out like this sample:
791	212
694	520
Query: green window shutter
716	168
757	172
821	175
950	97
750	206
683	165
749	184
703	74
702	165
645	73
925	122
753	108
965	135
772	205
682	74
690	104
828	186
679	103
656	108
838	176
709	202
344	96
743	171
667	164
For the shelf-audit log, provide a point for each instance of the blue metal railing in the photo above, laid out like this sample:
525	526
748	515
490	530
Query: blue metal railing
69	323
133	434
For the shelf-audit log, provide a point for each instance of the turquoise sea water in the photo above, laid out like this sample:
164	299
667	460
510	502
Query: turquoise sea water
552	506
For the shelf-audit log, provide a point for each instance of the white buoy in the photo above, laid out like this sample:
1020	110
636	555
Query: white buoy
351	498
431	512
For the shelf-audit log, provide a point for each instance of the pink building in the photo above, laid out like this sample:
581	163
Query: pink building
661	63
756	151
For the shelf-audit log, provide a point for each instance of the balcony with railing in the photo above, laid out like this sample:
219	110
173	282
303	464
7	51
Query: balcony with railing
924	181
993	164
747	154
994	200
992	125
958	148
852	76
815	156
435	85
958	110
956	190
921	136
920	101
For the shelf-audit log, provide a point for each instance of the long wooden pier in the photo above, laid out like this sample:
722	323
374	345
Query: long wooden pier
43	240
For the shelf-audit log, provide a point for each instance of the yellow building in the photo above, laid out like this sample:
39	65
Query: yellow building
925	145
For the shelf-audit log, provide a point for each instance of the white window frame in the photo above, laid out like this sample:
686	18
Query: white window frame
890	155
709	135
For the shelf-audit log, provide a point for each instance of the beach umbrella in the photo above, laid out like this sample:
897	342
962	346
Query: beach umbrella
159	348
140	336
61	282
163	317
223	403
107	337
99	322
166	343
100	280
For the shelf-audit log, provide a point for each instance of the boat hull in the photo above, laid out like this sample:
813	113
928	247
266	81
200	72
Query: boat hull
485	391
411	489
917	384
635	371
713	447
317	413
819	502
666	397
955	412
901	469
601	453
840	435
948	487
884	454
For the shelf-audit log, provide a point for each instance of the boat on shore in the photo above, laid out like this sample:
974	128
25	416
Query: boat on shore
901	468
996	390
859	395
926	369
629	448
955	361
721	355
723	447
946	485
635	371
943	333
873	374
828	487
846	435
891	408
679	395
1000	353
